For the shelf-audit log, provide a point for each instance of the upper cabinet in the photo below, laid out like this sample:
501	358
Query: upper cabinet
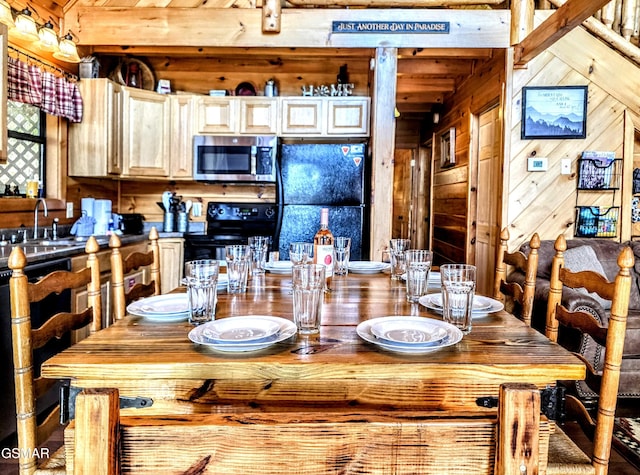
325	116
94	143
145	133
134	133
236	115
181	157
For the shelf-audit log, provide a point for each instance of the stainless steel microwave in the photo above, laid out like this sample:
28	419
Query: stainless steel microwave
240	158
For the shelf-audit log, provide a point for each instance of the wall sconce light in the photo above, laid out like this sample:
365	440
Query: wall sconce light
6	17
48	38
67	50
26	28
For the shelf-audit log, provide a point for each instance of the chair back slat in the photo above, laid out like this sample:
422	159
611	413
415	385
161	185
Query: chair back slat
60	324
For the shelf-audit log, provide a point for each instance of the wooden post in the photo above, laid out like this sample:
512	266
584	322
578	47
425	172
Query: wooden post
94	299
555	288
383	125
518	429
271	16
522	12
97	432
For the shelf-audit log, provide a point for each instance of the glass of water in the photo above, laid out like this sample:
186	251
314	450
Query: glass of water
458	289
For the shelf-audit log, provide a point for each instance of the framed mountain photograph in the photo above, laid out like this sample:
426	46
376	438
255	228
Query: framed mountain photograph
558	112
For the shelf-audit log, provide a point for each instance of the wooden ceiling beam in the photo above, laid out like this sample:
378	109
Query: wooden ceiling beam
423	84
236	27
390	3
436	67
419	97
213	52
561	22
448	53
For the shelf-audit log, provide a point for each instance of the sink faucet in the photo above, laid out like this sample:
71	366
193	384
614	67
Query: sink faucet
35	216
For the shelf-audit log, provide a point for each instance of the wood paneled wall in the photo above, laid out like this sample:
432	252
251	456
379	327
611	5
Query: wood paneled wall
544	202
453	212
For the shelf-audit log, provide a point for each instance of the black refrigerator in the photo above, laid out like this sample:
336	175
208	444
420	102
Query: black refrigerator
323	175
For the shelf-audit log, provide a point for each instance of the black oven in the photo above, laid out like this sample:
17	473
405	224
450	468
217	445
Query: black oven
241	158
231	223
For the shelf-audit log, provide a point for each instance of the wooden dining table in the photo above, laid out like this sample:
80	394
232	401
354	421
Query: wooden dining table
332	369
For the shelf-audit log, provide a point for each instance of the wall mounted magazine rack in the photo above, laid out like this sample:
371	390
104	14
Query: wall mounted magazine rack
598	172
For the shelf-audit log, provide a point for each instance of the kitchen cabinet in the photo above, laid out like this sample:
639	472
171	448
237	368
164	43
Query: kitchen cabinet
182	119
171	263
348	116
145	133
301	116
258	115
237	115
325	116
94	143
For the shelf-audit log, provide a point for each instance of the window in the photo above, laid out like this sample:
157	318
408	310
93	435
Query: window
26	147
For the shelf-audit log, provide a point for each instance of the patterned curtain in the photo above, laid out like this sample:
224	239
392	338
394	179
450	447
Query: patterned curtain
53	94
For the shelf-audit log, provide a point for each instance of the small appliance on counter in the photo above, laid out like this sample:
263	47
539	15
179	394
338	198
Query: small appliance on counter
132	223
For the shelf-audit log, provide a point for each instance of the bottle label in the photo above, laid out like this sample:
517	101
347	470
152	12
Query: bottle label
324	255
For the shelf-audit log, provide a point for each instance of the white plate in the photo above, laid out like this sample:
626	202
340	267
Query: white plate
409	332
279	267
367	267
165	308
434	302
240	329
287	330
453	335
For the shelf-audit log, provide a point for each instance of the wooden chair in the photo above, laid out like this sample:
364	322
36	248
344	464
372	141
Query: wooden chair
564	456
522	298
502	442
120	267
29	387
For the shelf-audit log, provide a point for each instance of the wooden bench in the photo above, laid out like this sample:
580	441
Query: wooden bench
512	440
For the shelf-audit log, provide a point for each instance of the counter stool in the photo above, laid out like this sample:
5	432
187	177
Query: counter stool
121	266
30	388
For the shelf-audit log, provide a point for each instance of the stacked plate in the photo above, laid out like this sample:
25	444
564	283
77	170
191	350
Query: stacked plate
279	267
413	335
367	267
244	333
482	306
161	308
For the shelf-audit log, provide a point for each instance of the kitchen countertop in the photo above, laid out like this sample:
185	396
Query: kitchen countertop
37	252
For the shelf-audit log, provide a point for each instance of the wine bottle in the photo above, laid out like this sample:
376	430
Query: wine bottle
323	247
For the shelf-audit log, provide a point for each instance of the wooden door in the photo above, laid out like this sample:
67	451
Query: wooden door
488	198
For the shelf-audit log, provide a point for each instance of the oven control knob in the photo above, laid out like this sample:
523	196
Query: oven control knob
269	212
220	211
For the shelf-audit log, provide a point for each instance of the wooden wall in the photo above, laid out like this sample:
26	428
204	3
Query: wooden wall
453	203
544	202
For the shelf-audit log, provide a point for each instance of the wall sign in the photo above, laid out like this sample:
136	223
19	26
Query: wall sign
554	112
411	27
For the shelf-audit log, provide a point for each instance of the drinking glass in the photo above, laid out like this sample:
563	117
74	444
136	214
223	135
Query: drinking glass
301	252
238	257
396	256
458	289
259	248
418	263
308	295
342	250
201	280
